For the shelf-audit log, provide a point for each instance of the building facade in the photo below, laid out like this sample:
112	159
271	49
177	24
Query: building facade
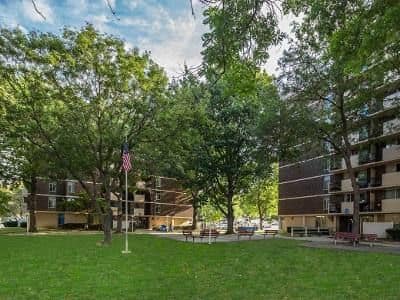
157	201
315	191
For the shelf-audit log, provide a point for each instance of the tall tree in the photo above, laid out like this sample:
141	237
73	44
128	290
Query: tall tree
261	200
85	94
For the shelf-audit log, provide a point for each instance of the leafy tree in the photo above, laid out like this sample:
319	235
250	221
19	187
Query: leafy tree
85	94
261	200
232	153
240	30
5	199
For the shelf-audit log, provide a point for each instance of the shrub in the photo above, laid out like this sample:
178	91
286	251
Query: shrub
394	233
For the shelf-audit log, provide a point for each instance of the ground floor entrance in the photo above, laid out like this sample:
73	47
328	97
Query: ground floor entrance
345	223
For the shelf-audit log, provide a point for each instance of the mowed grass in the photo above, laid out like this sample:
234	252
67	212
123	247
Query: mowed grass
73	267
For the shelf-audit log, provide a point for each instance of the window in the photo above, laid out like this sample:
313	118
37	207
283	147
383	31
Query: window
158	181
158	196
327	180
392	194
348	198
325	204
52	202
158	209
397	167
363	133
70	187
52	187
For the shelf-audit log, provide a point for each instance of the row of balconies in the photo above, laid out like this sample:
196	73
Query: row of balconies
387	206
385	128
388	154
388	179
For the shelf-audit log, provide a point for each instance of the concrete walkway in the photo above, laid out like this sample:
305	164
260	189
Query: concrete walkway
222	238
348	247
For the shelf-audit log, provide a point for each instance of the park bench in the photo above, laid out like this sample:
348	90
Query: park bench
306	231
272	232
370	237
348	236
245	232
207	233
187	234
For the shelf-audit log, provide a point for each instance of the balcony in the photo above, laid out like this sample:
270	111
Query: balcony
346	208
353	159
391	126
137	212
375	181
391	205
366	157
139	198
391	153
391	100
346	185
334	187
391	179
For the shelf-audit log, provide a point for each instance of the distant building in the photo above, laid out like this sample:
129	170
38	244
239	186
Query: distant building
158	201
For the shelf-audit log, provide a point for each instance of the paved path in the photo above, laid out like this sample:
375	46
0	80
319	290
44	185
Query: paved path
349	247
222	238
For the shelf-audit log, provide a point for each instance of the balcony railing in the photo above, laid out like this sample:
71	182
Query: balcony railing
391	153
334	186
375	181
391	179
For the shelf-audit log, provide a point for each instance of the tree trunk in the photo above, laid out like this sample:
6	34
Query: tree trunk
107	222
230	215
261	222
195	211
120	197
32	205
119	217
356	195
108	214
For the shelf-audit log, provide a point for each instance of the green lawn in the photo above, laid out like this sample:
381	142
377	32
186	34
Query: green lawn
73	267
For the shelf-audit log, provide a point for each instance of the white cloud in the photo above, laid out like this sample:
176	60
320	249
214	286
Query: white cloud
173	41
42	6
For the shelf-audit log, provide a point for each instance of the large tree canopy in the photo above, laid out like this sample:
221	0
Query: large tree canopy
83	94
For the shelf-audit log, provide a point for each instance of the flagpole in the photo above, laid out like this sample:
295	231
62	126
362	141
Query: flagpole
126	251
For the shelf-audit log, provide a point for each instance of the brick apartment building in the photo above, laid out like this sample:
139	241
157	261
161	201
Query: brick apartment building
315	191
157	201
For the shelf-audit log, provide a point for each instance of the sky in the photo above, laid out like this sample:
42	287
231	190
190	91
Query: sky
166	28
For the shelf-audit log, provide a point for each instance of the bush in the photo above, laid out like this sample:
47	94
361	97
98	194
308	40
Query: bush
394	233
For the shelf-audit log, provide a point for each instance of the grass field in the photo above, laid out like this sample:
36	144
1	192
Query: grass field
73	267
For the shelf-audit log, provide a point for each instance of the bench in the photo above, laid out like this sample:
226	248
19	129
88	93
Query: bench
187	234
245	232
272	232
349	236
371	238
207	233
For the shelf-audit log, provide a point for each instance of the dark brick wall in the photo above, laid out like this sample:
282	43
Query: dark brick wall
312	205
301	188
309	168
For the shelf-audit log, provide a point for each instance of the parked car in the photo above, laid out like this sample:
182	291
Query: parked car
11	223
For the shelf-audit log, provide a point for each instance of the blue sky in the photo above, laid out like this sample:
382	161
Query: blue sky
165	27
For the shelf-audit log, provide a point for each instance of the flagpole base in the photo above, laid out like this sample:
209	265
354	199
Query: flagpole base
125	251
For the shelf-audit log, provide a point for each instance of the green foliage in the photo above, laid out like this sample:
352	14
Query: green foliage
261	200
5	199
81	203
74	99
240	31
209	214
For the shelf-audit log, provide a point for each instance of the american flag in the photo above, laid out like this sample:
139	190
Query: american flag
126	158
